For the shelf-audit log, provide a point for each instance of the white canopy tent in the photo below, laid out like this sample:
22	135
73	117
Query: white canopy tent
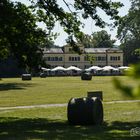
108	68
73	68
58	68
94	68
123	68
45	69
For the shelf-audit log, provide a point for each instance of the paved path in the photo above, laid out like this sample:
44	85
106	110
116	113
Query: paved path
61	105
124	101
33	106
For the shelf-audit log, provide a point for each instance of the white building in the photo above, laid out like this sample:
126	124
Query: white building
91	56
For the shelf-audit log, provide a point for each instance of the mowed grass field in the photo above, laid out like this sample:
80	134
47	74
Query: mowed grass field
51	123
51	90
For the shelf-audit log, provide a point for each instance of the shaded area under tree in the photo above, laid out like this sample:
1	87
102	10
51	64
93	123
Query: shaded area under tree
40	128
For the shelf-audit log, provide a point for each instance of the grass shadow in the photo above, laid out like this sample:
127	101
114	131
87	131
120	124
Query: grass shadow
38	128
14	86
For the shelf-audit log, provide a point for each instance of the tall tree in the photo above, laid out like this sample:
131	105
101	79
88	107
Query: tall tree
20	36
100	39
130	51
129	33
87	41
103	39
129	27
5	10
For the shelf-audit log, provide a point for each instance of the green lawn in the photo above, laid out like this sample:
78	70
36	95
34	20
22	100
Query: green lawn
51	123
15	92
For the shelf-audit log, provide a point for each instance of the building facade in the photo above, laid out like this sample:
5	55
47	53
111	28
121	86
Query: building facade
91	56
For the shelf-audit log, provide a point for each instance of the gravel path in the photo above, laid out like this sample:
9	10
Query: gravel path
33	106
60	105
126	101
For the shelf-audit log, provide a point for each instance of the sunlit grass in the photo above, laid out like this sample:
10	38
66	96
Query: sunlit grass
15	92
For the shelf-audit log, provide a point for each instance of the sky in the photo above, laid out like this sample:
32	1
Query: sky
89	24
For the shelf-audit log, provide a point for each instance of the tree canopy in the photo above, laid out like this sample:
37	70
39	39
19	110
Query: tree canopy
100	39
129	33
70	18
103	39
20	36
129	27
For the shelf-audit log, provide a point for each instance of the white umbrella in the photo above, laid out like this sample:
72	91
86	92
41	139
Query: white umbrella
45	69
98	69
123	67
93	68
58	68
73	68
108	68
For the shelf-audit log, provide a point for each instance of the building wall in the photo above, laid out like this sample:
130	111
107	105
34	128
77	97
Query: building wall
68	58
74	59
55	59
115	59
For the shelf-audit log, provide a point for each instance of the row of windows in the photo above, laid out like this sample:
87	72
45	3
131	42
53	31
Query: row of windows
74	58
54	59
102	58
115	58
61	59
99	58
86	58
